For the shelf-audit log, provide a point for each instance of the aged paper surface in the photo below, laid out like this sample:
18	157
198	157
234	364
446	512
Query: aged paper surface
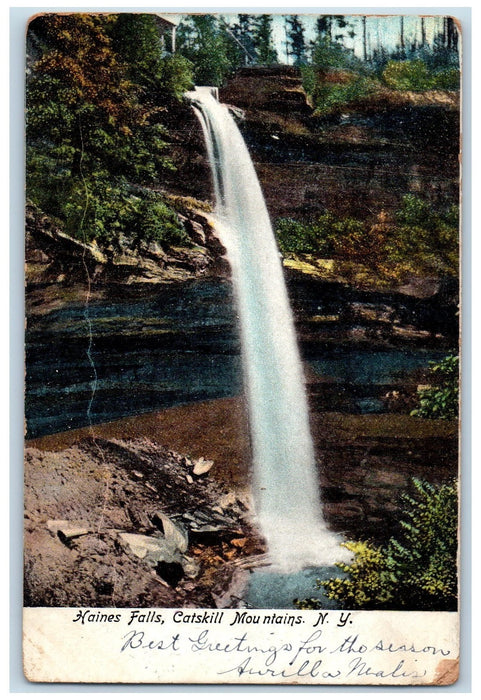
242	342
206	646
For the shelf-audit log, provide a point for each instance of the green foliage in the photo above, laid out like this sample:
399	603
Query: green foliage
328	96
156	222
416	212
419	240
106	210
368	580
418	76
203	40
177	75
295	41
243	50
96	99
335	29
308	604
97	209
426	239
447	79
136	39
442	399
296	236
407	75
265	50
327	236
416	571
324	236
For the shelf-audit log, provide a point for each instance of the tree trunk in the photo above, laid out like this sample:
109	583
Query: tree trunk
364	39
401	38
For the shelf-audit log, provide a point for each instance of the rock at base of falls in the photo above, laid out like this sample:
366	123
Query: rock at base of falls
174	534
150	549
202	466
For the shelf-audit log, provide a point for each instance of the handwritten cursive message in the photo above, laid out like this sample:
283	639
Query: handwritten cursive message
315	655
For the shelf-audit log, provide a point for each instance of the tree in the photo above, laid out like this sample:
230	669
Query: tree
334	28
296	45
92	129
364	38
204	41
264	46
244	31
402	44
135	38
328	48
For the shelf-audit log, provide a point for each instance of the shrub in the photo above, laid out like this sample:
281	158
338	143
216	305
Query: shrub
421	239
295	236
424	238
416	571
97	208
156	222
328	97
447	79
442	399
100	209
177	75
408	75
328	236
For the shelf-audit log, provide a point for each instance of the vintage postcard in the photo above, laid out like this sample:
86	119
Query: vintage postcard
242	348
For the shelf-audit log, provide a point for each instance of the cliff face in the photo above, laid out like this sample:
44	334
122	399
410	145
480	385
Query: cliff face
52	256
191	176
353	162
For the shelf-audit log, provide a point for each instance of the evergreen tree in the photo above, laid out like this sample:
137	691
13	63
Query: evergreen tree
266	53
244	31
204	41
296	45
135	38
334	27
328	49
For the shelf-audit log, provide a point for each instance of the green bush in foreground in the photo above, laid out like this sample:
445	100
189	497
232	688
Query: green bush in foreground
416	571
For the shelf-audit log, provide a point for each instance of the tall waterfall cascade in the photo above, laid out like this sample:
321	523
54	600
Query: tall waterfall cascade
285	480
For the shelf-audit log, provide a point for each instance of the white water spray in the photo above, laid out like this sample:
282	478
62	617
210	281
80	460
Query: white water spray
285	481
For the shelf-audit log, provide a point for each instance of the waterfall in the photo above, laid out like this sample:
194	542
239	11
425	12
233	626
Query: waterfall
285	481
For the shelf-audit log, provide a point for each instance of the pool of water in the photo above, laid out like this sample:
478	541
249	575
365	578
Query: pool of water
270	589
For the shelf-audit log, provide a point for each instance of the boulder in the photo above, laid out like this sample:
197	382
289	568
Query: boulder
174	534
54	243
202	466
190	566
151	550
67	530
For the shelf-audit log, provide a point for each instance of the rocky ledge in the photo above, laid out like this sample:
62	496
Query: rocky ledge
52	256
